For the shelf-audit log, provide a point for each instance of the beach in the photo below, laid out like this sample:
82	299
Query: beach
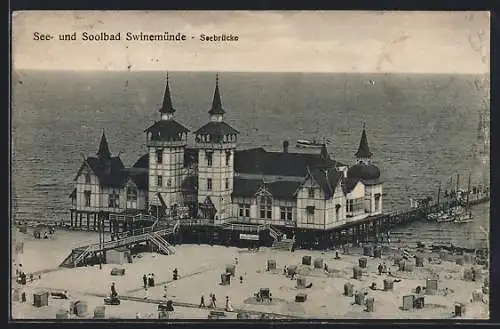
200	268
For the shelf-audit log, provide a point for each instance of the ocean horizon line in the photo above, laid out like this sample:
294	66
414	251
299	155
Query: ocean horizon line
482	74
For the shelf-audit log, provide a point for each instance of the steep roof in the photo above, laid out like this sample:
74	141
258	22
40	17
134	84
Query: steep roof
103	151
166	129
279	189
327	180
167	101
259	161
216	108
363	149
110	172
139	179
142	162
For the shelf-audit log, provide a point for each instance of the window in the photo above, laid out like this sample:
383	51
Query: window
310	214
159	156
228	158
337	211
266	207
87	198
209	159
377	202
286	213
114	200
159	180
131	194
355	206
227	183
244	210
88	178
169	182
209	184
311	192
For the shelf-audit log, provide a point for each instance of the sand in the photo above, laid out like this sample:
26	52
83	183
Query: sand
200	268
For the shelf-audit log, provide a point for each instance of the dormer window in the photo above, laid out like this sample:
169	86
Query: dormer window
311	193
228	158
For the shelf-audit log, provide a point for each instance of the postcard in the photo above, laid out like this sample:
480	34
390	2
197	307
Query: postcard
209	165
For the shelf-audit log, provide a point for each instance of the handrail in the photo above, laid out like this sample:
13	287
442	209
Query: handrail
158	243
125	241
81	256
167	245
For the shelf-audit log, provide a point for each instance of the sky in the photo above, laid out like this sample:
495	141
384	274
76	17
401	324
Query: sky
292	41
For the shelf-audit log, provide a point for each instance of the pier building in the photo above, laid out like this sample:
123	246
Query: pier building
213	180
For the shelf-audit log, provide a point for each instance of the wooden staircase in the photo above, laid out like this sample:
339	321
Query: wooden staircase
152	234
162	244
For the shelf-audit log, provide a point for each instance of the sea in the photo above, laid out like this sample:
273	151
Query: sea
421	128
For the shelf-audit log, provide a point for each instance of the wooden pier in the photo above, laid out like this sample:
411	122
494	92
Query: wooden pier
205	231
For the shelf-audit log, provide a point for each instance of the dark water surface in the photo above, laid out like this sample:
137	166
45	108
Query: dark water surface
421	128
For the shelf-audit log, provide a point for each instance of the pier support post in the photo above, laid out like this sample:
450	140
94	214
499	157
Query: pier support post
72	212
81	219
88	221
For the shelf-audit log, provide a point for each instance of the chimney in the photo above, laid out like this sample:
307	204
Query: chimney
285	146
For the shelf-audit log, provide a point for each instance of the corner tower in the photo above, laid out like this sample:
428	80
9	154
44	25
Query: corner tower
216	143
166	140
369	174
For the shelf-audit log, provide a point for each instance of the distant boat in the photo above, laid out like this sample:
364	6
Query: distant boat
311	144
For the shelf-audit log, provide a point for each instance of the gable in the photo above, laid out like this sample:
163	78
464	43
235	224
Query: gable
357	192
84	169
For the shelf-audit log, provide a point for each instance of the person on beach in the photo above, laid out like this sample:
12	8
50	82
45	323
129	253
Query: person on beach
241	278
284	270
176	274
152	280
202	301
384	268
214	300
380	268
145	280
229	306
113	290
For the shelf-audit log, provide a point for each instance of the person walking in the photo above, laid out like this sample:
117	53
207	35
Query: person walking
145	280
113	290
214	300
202	301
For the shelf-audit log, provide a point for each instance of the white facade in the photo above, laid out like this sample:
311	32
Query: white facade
215	176
166	165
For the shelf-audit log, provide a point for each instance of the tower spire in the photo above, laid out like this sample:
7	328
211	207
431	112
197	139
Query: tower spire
363	149
167	111
217	109
103	152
